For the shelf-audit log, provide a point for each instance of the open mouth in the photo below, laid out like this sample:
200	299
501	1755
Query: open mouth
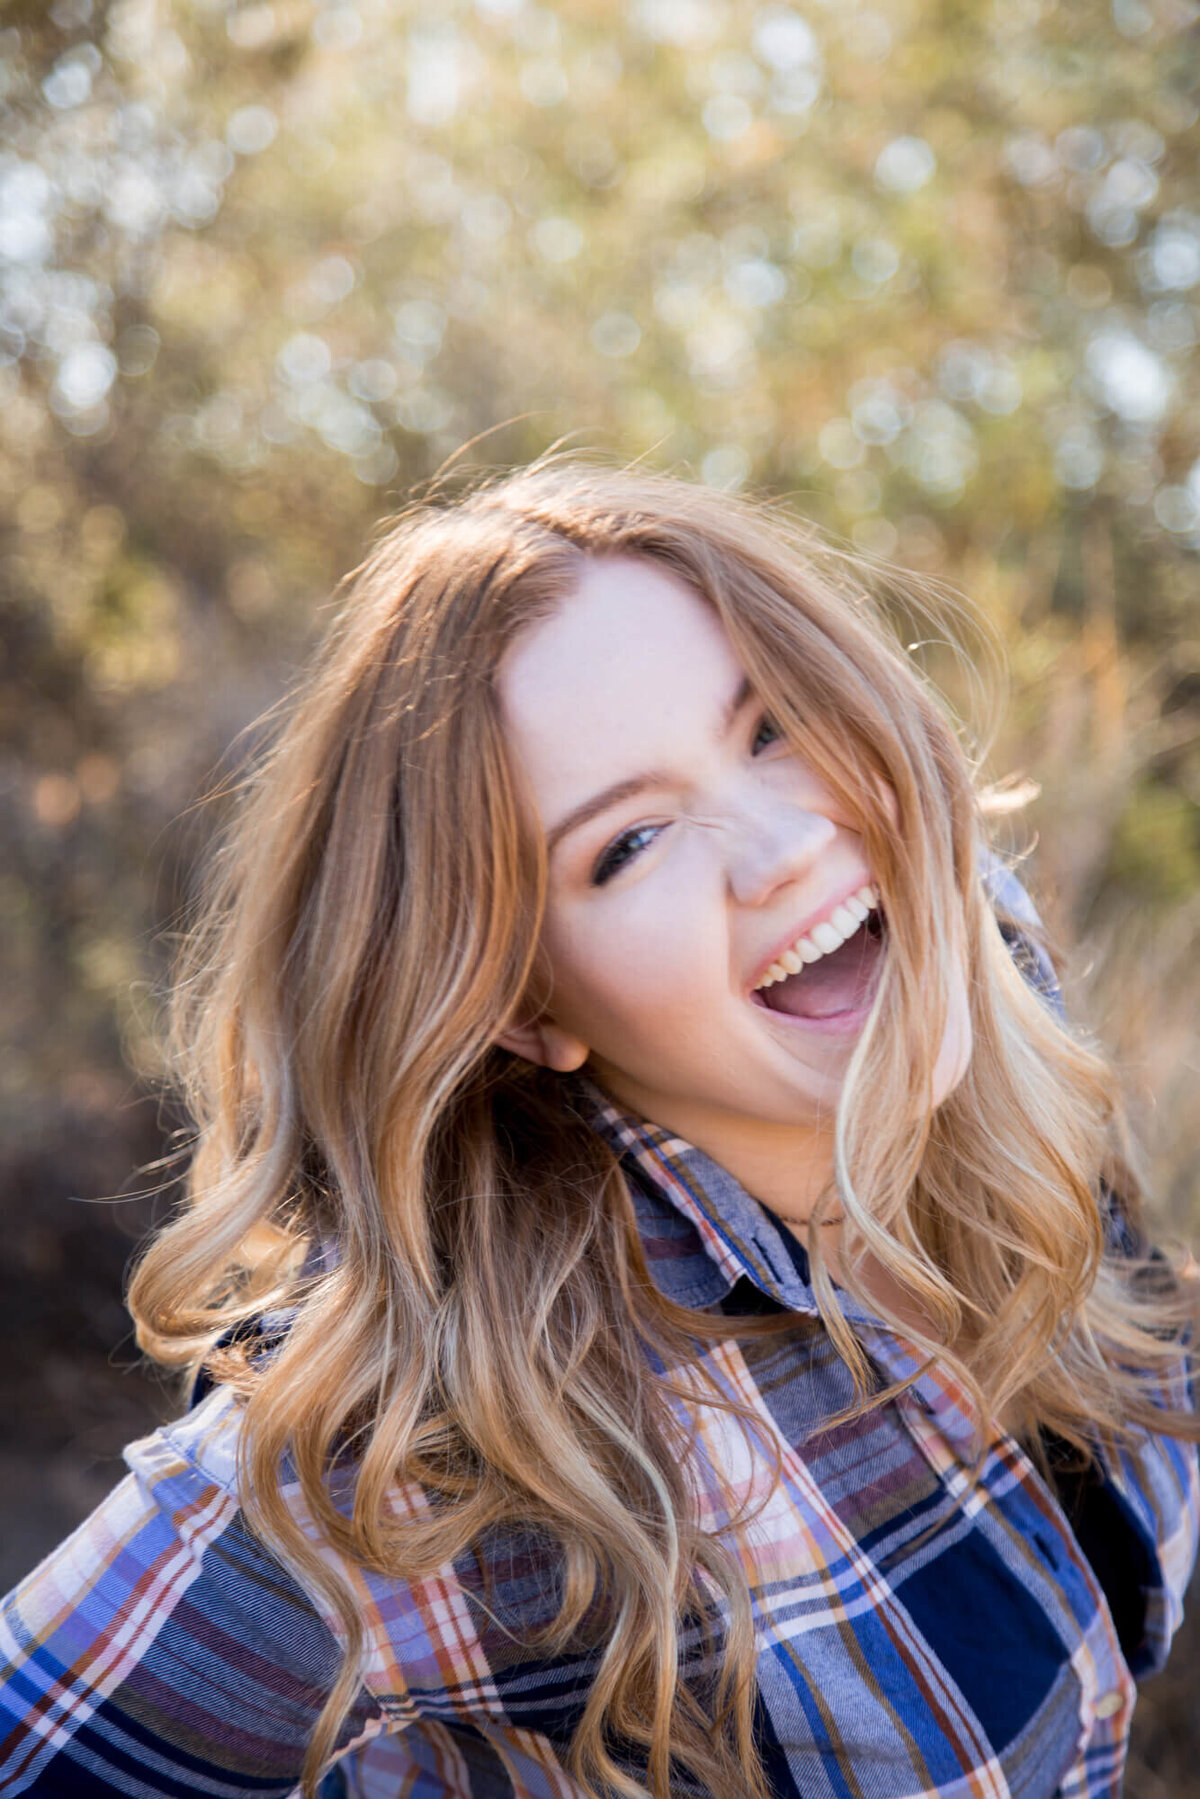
841	985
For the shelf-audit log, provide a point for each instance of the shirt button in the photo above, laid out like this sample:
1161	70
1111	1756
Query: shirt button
1108	1705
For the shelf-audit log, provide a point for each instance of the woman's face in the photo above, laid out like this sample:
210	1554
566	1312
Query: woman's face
701	846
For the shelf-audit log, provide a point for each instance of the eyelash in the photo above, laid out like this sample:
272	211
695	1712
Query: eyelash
766	719
605	868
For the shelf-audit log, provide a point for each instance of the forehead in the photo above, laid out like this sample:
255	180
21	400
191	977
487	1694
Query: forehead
629	672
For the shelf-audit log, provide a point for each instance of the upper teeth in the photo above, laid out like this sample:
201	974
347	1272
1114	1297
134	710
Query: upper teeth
823	938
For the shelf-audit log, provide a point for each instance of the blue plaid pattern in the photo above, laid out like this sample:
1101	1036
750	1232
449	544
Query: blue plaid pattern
917	1636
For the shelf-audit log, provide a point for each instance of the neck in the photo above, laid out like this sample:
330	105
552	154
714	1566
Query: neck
786	1167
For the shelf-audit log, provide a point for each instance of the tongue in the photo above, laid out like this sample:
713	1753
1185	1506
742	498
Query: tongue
842	981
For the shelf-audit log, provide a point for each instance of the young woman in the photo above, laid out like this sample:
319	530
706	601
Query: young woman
660	1281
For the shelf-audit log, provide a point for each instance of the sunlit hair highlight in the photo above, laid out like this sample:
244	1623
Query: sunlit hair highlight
489	1334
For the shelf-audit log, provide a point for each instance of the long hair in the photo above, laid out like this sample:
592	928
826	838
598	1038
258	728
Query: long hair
488	1334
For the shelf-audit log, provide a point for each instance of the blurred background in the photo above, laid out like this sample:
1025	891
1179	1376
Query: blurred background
928	268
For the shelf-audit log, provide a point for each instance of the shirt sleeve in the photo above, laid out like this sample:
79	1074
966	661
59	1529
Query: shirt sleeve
162	1650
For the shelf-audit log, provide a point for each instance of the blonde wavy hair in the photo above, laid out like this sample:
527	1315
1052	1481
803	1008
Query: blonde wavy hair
489	1325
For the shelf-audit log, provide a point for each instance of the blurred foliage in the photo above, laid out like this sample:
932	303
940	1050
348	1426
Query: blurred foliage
930	268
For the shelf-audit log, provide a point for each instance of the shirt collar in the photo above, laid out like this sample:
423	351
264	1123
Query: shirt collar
701	1231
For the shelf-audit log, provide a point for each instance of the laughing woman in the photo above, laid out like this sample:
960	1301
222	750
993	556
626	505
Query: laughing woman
660	1290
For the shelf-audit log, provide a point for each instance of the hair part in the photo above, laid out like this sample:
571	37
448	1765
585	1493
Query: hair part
489	1334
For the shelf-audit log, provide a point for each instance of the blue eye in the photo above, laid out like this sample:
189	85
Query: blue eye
612	860
769	724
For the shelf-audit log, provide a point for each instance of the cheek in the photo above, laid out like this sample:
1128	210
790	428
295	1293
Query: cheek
631	986
640	972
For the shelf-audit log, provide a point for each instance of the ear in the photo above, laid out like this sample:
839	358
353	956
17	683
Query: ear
546	1043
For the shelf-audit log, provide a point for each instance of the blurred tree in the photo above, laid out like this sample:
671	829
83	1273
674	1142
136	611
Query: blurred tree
929	268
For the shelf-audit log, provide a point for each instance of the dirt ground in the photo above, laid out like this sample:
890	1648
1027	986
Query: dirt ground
73	1394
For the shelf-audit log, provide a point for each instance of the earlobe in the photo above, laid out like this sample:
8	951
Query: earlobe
545	1043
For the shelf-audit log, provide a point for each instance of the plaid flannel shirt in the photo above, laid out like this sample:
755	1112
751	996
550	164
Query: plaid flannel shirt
910	1641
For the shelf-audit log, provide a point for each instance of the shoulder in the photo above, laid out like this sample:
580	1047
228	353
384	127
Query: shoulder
176	1533
165	1631
1005	890
202	1443
1021	927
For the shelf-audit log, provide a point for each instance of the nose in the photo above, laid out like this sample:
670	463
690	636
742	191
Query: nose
771	848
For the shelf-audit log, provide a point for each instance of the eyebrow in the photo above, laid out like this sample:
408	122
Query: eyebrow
634	784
